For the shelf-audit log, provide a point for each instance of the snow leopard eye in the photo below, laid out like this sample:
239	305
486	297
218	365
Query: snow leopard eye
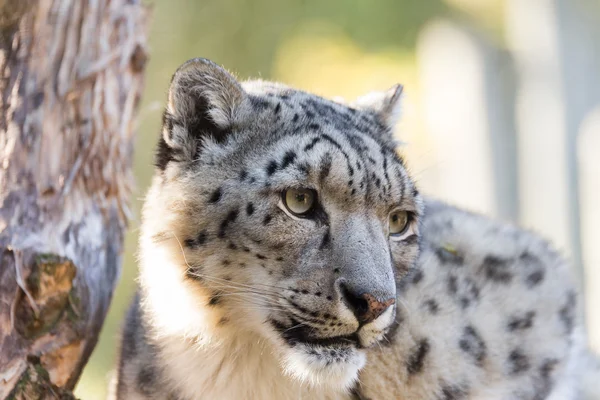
299	202
399	222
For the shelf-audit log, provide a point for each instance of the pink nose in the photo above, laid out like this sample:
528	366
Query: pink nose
365	306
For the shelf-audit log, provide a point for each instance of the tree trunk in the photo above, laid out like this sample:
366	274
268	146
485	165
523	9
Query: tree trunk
70	81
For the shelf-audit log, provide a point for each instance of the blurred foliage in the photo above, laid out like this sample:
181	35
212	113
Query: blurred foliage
332	47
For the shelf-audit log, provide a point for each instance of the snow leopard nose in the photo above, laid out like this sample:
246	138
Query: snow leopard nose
365	306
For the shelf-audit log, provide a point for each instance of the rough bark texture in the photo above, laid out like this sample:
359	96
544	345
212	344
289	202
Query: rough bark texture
70	82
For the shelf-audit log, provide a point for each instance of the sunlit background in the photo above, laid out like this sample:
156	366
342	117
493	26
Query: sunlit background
501	115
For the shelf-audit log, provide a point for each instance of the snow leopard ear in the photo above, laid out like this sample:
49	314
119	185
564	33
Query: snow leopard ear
386	105
205	102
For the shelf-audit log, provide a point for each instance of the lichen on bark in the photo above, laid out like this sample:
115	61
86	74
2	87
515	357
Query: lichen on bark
47	295
35	384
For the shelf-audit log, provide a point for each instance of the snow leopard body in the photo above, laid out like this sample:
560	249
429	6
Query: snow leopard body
241	299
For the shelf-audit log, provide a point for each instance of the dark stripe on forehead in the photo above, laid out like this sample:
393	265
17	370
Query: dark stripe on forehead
385	169
341	149
400	179
312	144
343	118
325	167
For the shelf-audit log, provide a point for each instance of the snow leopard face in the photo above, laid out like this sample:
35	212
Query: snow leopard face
281	216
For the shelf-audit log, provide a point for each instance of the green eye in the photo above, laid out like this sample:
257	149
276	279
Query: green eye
398	222
299	202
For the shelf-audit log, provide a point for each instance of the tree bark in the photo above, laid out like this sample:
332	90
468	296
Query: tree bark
71	76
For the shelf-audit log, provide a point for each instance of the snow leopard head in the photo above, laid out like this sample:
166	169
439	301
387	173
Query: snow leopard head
278	215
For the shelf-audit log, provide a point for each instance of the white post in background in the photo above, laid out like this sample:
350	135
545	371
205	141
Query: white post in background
555	44
466	114
540	112
579	40
589	196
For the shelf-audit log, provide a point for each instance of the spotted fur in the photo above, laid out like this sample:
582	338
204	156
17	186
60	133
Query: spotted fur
492	334
240	299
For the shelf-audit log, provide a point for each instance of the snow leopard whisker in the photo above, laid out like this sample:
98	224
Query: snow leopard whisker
301	324
194	272
226	289
228	283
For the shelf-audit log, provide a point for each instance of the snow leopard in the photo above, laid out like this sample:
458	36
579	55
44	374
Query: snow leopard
286	253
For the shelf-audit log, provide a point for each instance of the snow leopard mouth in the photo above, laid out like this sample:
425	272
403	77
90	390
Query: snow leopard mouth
302	335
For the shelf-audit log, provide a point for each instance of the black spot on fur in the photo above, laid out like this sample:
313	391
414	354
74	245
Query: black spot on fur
249	208
325	241
533	263
544	383
214	299
567	312
271	168
432	306
452	285
304	168
314	127
230	218
534	278
277	108
243	175
416	360
472	344
497	269
215	196
518	362
465	292
288	158
417	276
199	240
521	322
451	392
295	119
261	257
267	219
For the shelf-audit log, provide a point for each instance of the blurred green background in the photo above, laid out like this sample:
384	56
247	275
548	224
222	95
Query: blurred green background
332	47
